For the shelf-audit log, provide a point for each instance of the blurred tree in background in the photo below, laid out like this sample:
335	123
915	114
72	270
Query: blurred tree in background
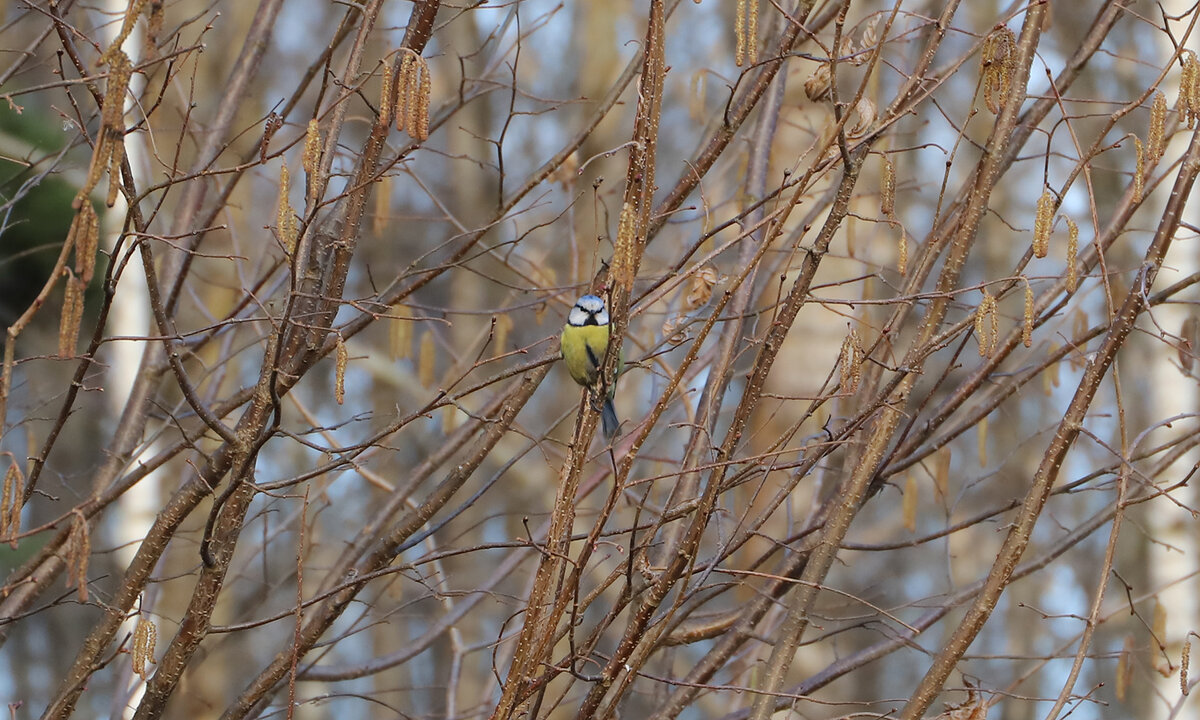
906	291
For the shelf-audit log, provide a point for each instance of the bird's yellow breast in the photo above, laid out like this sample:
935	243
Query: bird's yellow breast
583	351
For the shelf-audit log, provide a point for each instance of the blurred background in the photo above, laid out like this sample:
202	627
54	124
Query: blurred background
346	368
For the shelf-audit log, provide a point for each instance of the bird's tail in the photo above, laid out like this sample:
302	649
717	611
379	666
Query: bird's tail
608	419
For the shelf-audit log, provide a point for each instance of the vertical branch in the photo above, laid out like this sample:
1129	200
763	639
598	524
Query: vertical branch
635	218
544	610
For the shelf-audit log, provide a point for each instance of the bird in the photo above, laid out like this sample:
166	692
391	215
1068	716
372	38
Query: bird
584	341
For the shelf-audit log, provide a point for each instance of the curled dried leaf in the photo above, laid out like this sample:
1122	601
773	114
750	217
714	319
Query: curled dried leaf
819	83
673	329
975	708
700	289
846	53
864	119
869	39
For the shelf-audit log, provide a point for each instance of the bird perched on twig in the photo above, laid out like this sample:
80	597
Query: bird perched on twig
584	341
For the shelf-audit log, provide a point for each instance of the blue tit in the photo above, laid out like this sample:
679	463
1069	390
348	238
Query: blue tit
584	341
